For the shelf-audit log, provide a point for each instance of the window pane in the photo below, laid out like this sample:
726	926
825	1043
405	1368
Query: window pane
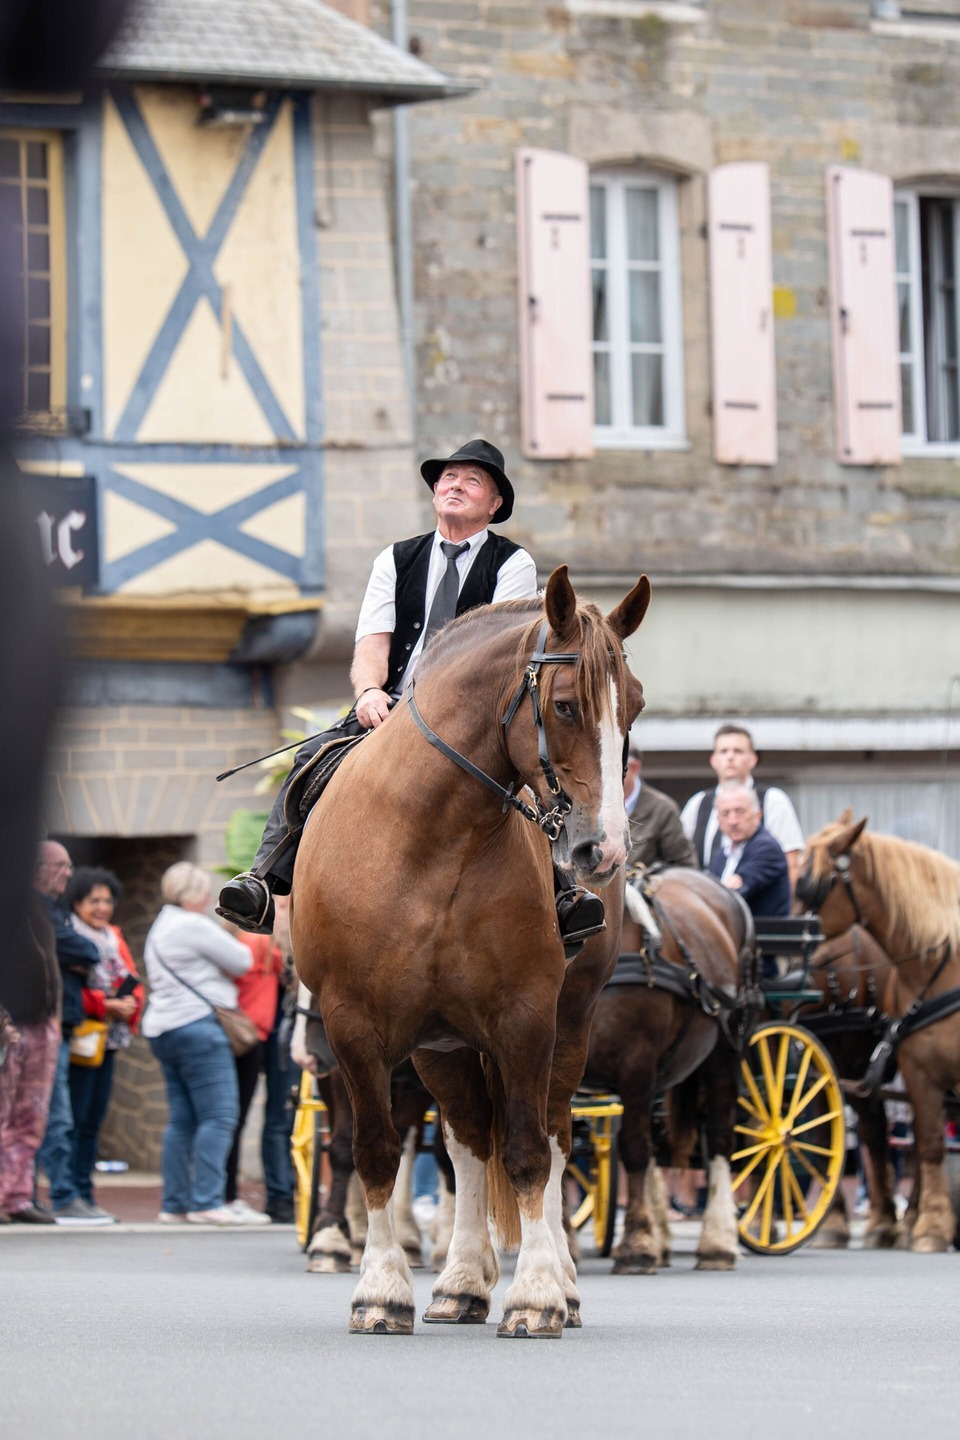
901	221
600	327
645	307
643	231
36	160
38	345
9	159
906	399
598	223
647	389
37	210
903	311
601	388
38	299
38	251
38	390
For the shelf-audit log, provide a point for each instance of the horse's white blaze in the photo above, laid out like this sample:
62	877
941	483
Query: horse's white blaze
639	911
385	1277
613	815
553	1210
472	1267
719	1231
539	1281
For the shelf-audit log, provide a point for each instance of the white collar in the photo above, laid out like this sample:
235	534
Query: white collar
630	803
474	541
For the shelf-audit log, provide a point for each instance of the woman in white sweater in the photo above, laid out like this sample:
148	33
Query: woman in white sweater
191	962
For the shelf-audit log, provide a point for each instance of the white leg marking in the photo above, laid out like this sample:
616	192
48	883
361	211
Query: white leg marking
472	1267
553	1211
538	1283
441	1226
613	816
407	1227
718	1236
385	1277
656	1194
355	1211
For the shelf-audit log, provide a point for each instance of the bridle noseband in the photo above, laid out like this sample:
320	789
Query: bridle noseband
551	821
814	895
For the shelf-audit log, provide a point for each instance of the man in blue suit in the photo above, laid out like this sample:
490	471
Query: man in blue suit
749	858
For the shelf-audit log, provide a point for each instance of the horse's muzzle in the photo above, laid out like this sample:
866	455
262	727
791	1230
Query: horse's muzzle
595	862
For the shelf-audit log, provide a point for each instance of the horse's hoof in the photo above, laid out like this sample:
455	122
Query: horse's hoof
634	1265
457	1310
830	1239
381	1320
929	1245
717	1261
573	1321
884	1237
531	1325
319	1263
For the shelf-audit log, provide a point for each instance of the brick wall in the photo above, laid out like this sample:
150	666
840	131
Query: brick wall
798	86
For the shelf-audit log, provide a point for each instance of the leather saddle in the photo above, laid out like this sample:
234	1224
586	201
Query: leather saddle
308	785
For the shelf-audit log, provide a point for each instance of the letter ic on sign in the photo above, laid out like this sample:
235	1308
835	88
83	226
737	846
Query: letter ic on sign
66	517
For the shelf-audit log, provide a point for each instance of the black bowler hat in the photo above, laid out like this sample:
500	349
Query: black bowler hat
479	452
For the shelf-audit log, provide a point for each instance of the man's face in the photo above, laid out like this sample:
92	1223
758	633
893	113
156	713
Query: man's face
733	758
629	780
737	817
467	496
54	868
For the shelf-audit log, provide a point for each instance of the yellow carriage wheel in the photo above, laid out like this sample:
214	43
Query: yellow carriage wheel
791	1137
306	1152
597	1173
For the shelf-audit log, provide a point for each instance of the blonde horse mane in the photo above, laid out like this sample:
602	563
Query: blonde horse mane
919	887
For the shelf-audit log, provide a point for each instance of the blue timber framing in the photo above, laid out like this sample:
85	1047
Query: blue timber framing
98	454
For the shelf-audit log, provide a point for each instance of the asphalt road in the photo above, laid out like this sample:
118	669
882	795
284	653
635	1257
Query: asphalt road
138	1332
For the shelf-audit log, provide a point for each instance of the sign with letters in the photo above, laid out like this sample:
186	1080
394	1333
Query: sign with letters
65	513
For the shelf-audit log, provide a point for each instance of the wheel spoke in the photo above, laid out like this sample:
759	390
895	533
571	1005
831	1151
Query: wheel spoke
763	1112
785	1192
752	1150
812	1124
809	1166
813	1149
797	1192
798	1085
782	1057
805	1101
760	1119
745	1130
766	1222
762	1189
773	1099
748	1169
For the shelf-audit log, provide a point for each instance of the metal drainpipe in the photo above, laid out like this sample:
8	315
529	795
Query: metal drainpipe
403	222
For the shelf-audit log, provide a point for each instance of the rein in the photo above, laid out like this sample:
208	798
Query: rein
551	821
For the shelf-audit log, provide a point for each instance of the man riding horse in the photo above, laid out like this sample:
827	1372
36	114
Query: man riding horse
415	587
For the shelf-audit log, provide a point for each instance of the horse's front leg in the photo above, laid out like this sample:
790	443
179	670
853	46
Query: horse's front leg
936	1223
383	1301
461	1293
641	1249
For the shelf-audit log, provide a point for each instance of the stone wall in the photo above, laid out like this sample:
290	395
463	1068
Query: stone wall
799	86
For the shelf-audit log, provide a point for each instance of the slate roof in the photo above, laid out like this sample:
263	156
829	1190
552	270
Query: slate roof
288	44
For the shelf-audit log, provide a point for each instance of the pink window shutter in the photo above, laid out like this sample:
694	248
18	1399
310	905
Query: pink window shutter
863	318
741	315
556	366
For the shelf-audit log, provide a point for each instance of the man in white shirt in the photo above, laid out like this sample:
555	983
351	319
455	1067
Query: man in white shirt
415	587
734	759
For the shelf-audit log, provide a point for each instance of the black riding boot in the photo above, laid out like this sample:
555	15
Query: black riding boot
579	914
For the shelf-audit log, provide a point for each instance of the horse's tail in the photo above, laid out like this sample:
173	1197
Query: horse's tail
684	1125
503	1200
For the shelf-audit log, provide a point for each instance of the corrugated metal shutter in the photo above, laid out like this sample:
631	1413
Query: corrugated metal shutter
741	314
866	370
556	370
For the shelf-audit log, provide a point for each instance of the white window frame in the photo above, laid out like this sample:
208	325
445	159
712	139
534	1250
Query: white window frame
916	443
621	435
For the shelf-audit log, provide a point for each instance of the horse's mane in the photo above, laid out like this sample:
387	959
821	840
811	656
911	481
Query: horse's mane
600	649
919	887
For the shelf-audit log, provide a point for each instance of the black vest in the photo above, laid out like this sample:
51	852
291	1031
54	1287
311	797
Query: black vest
703	816
412	559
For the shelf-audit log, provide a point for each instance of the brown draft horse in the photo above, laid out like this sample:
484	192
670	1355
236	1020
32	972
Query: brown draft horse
648	1039
424	922
856	979
908	897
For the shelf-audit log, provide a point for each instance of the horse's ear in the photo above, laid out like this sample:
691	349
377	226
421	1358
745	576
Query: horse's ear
561	601
847	817
846	840
625	619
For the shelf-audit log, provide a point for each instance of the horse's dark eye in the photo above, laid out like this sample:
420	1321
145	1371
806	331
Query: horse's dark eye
566	709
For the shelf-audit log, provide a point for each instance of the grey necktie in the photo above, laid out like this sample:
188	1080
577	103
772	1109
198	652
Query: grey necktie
444	605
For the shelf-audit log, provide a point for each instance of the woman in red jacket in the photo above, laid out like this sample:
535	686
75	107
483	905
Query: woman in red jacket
91	896
257	993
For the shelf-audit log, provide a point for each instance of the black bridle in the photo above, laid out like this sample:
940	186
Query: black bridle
551	821
814	895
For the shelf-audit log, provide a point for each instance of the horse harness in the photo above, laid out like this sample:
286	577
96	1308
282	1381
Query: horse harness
551	821
685	982
845	1017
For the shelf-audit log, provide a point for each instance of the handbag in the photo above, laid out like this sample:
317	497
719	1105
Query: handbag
88	1043
237	1026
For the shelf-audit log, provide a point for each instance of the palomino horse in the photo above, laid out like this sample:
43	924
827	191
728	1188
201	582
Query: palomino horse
424	922
651	1036
908	898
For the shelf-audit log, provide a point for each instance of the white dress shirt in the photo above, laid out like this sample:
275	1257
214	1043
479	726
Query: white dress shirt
517	580
733	853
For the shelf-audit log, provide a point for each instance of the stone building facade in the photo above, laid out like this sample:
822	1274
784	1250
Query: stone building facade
813	598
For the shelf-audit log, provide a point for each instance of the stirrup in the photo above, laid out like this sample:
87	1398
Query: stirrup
261	924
